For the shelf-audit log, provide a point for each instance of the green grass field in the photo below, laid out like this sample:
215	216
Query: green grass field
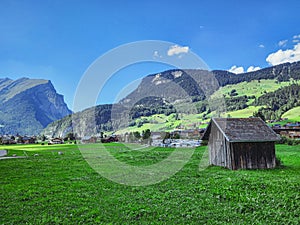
293	115
63	189
255	87
243	113
161	122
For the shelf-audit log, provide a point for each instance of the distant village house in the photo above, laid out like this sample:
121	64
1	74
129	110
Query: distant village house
54	141
290	130
88	139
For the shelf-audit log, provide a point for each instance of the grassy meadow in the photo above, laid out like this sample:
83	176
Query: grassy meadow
50	188
255	87
293	114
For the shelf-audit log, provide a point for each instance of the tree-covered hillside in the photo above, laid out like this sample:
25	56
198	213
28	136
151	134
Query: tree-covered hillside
282	72
278	102
184	99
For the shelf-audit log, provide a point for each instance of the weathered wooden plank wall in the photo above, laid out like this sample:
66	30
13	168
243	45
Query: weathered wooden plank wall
219	148
260	155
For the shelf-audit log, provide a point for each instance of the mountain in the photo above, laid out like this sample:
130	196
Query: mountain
282	72
175	94
170	85
177	85
27	106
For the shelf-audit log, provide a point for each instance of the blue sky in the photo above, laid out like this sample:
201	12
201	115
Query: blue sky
58	40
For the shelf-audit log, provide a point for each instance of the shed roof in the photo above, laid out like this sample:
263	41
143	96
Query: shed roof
242	130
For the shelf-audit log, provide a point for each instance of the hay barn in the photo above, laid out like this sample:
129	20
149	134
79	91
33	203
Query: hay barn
241	143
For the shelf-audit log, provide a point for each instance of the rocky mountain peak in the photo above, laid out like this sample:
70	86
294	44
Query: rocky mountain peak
29	105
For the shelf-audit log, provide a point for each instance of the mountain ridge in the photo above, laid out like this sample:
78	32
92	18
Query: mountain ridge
9	88
159	93
29	105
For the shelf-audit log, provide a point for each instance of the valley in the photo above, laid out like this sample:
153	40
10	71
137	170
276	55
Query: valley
166	101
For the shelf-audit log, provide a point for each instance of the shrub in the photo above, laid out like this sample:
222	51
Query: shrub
288	141
204	142
283	140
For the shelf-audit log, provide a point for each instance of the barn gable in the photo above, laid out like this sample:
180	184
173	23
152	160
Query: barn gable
236	143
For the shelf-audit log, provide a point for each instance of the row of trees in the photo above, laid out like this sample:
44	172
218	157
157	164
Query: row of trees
145	136
136	136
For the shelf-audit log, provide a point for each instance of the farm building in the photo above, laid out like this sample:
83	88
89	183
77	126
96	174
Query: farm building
56	141
241	143
292	133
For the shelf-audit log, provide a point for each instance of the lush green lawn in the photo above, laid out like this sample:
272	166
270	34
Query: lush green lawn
63	189
293	115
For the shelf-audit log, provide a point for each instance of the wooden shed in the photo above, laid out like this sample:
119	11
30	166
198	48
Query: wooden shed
241	143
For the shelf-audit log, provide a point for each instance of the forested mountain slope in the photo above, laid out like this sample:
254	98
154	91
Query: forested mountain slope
171	92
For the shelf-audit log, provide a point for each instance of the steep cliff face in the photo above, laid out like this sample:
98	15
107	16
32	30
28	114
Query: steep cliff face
49	105
29	105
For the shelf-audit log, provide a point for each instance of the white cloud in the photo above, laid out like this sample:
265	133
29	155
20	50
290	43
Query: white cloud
236	70
296	36
156	54
261	46
296	40
282	43
253	68
240	69
289	55
176	49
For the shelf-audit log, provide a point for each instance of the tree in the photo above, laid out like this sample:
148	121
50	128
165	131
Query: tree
101	134
137	135
146	134
43	138
259	114
165	135
233	93
71	136
176	135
